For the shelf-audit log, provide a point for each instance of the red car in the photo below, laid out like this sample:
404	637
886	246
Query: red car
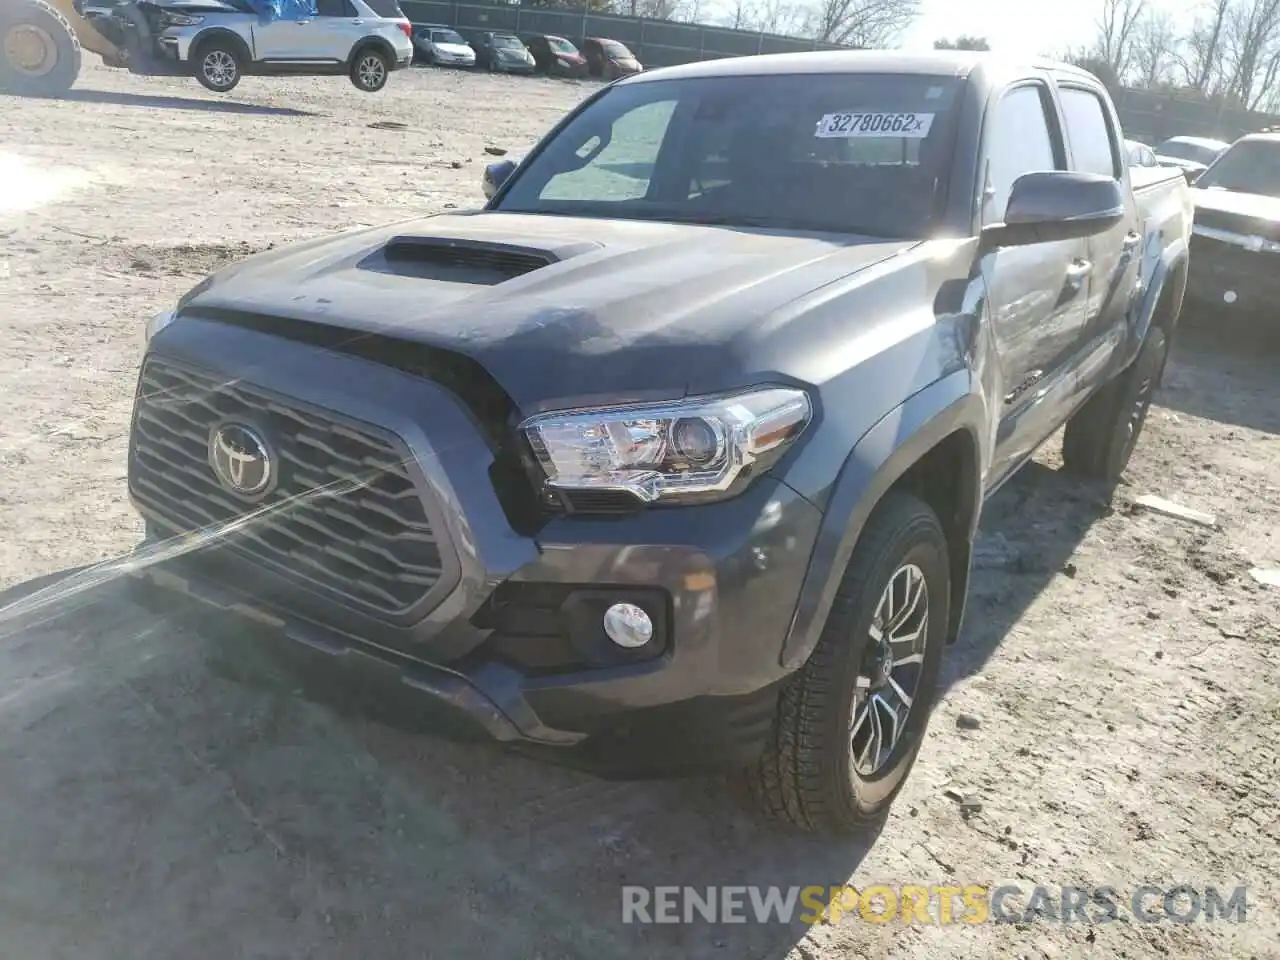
556	56
609	59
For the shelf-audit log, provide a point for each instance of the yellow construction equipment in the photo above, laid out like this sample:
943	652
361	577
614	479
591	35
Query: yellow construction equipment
40	46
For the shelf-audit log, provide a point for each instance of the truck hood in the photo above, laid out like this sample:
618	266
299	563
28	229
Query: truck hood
1252	205
557	309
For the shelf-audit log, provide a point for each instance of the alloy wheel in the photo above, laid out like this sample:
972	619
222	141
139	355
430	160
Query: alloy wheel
887	684
219	68
372	72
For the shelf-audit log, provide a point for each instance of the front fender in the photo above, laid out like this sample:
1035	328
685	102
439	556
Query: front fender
880	458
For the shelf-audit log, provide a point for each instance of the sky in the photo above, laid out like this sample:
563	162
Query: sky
1032	27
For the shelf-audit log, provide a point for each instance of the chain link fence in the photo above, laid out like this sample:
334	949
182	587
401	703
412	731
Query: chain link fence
657	43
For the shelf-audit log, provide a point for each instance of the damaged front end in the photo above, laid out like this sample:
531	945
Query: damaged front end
138	28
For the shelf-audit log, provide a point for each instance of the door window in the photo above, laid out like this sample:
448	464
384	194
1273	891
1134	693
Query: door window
1089	132
1020	142
335	8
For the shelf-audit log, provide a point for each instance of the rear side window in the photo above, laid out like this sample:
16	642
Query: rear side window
1020	142
1088	131
335	8
386	8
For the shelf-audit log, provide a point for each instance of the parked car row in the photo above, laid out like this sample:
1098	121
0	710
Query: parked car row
1191	155
499	52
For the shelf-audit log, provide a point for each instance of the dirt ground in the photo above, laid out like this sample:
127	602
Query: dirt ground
174	792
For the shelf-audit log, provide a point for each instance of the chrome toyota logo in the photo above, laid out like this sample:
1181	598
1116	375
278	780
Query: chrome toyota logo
240	459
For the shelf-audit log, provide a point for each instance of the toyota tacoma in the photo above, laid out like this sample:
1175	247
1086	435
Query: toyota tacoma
673	454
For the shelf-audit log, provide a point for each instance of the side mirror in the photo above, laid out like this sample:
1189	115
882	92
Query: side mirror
495	175
1057	205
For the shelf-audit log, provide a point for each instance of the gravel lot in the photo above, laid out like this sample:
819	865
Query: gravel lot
170	791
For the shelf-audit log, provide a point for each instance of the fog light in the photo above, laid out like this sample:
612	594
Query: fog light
627	625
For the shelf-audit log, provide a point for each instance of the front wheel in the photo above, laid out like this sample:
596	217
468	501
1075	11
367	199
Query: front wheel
369	71
39	52
1101	436
217	65
851	721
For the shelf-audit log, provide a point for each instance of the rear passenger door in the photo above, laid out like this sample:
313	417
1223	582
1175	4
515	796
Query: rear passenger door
1095	148
1036	294
338	27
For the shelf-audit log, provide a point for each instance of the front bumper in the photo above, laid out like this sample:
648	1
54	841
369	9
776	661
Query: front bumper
511	66
513	640
1230	273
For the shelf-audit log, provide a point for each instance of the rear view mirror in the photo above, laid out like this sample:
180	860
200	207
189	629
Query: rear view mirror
495	175
1057	205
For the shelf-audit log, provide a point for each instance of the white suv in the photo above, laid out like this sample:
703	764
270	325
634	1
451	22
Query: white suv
221	40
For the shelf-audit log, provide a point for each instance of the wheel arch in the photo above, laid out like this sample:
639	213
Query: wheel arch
929	445
381	44
209	34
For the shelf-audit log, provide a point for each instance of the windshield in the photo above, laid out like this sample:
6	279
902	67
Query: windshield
1182	150
446	36
507	43
561	46
851	153
614	49
1252	166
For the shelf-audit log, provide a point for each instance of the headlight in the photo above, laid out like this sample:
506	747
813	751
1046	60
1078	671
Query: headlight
182	19
687	450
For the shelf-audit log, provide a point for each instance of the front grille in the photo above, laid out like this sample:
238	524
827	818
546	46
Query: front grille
345	515
1238	223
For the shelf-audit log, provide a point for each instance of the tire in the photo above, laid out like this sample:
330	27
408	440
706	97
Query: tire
369	70
39	52
218	64
1101	437
808	772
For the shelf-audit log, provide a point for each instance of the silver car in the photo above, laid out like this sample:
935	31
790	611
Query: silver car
221	40
442	46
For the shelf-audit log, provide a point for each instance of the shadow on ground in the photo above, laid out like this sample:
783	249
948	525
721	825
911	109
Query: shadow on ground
158	102
169	779
1030	530
1210	352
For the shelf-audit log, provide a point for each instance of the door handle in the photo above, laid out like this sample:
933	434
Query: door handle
1131	240
357	22
302	23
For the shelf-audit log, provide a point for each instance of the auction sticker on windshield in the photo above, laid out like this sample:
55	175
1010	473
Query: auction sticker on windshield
911	126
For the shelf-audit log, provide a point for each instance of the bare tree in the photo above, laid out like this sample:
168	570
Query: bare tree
962	42
1200	62
741	15
1155	47
657	9
778	16
1251	32
1116	26
863	23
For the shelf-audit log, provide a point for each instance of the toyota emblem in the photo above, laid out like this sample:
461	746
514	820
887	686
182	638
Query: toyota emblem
240	459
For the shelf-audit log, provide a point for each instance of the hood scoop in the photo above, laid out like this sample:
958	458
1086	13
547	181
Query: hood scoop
458	261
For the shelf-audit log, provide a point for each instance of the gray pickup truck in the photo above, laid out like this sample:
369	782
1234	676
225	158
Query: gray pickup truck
673	455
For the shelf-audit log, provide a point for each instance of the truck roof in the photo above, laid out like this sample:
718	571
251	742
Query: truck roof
940	63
